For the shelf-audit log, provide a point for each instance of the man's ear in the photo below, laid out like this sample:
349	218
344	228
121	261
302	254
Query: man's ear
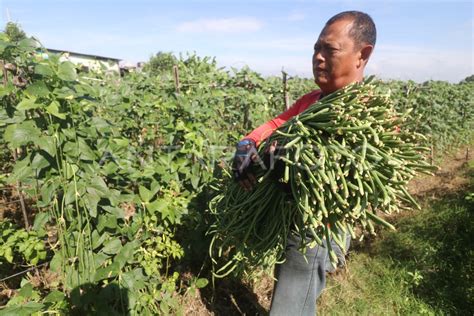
365	53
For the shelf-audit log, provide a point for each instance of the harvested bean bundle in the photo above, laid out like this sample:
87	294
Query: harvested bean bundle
340	160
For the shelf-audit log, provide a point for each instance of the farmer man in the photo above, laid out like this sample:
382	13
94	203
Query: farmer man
340	56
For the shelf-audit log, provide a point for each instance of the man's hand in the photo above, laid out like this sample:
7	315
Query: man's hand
245	154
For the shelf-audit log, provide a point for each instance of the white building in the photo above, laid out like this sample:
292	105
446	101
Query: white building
90	62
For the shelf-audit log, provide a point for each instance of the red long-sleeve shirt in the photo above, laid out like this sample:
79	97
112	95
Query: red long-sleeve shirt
265	130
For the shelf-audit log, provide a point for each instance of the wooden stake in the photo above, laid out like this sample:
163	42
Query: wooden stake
176	78
285	90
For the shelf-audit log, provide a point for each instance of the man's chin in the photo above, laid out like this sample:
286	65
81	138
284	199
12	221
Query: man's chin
321	81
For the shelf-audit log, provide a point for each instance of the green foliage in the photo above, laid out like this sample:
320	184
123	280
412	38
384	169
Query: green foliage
468	79
160	63
443	112
20	246
29	301
14	32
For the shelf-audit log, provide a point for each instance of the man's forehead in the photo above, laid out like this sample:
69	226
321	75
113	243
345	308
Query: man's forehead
336	29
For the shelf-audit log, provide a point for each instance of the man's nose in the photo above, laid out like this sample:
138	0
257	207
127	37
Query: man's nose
317	56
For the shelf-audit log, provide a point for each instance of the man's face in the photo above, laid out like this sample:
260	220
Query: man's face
336	61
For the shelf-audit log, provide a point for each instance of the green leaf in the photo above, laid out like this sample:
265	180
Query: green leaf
37	89
159	205
110	221
133	280
116	211
91	199
69	169
28	104
47	143
39	161
114	198
71	148
26	289
112	247
8	254
86	152
40	221
126	253
99	259
99	184
107	272
28	43
22	170
4	45
54	296
21	134
67	71
44	70
101	125
201	282
22	310
47	192
6	90
122	142
97	239
195	181
64	93
106	221
70	193
56	262
147	194
53	109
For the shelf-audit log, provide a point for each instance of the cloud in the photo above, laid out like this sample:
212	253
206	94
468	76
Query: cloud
227	25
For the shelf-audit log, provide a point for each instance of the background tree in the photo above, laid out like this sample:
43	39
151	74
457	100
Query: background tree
14	32
468	79
161	62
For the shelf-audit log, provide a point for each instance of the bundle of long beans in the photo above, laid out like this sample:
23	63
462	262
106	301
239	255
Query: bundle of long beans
343	159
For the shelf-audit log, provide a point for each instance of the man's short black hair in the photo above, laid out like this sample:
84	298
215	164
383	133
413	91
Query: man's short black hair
363	27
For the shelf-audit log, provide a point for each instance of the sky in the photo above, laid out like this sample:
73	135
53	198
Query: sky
418	40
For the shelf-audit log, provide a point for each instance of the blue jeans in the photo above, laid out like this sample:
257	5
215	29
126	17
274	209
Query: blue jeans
299	281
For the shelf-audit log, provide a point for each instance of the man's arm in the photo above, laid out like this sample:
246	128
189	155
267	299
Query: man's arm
246	149
265	130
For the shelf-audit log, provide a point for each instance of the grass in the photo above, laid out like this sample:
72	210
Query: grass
425	268
371	286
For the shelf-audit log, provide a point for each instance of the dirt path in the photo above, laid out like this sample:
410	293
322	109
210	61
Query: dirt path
446	180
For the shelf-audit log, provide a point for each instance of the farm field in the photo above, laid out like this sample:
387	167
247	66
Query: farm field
106	181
